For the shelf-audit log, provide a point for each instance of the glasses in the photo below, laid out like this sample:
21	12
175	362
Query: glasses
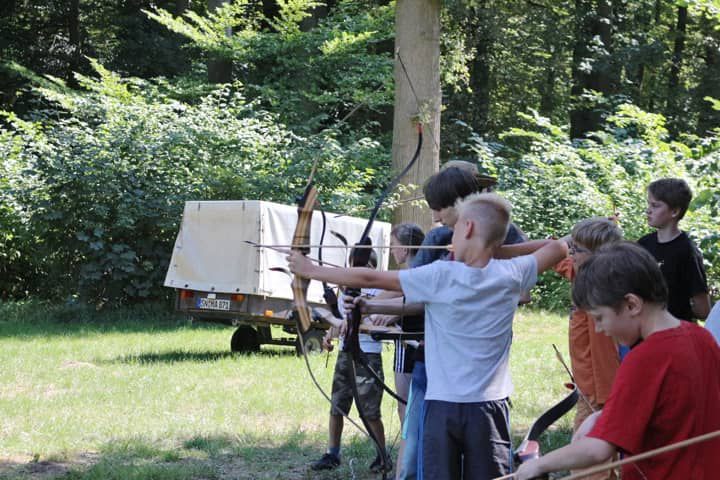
573	249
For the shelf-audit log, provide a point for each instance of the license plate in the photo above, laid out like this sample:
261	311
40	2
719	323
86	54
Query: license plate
213	304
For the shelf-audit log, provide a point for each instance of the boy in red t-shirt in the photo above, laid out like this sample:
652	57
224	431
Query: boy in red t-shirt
665	391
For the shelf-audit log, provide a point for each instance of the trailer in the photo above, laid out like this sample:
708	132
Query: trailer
219	277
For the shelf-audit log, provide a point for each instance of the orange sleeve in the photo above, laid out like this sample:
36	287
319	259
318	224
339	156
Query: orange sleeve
565	268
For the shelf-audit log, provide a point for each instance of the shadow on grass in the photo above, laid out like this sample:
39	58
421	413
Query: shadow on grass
175	356
35	318
217	457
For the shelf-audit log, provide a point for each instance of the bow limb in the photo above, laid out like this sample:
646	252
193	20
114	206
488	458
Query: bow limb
301	236
528	447
359	258
302	312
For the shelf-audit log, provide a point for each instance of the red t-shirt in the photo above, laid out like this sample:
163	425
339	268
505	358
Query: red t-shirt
666	390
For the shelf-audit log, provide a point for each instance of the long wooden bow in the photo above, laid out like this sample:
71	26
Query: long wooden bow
303	312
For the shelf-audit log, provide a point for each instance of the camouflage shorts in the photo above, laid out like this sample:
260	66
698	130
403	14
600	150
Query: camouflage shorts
370	391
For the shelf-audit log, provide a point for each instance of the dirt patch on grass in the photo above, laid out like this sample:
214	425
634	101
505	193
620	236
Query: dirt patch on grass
29	467
76	364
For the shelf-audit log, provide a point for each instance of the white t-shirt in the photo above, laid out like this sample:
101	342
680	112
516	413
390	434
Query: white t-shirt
468	324
713	322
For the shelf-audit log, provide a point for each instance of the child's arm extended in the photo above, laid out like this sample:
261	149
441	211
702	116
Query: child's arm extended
519	249
350	277
585	452
550	254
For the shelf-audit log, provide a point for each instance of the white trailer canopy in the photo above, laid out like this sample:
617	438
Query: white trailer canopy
211	255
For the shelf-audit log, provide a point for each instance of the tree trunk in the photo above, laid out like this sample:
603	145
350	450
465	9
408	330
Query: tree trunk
317	14
74	37
591	71
219	69
480	68
546	88
181	7
674	98
709	86
417	42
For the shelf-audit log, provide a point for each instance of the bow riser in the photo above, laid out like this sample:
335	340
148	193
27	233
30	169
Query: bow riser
301	236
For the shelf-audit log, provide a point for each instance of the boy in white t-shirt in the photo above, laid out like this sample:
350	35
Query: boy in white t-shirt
469	307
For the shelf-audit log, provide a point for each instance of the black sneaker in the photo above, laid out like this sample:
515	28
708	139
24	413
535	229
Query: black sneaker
326	462
377	467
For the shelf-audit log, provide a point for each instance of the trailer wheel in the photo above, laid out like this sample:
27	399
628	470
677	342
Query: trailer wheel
313	342
245	339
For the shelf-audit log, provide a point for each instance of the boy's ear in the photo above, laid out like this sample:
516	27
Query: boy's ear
469	228
633	304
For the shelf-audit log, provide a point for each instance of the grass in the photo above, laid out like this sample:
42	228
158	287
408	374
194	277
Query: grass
141	393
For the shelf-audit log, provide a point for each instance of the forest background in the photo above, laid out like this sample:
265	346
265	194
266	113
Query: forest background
112	114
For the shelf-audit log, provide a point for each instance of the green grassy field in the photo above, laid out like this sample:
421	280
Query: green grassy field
144	394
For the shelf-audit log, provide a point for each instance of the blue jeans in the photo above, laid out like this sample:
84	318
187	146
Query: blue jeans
411	465
622	351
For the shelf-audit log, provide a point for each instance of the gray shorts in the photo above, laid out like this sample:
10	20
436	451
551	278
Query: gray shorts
472	438
369	391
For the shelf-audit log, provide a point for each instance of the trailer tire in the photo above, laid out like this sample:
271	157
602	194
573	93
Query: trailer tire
245	339
313	342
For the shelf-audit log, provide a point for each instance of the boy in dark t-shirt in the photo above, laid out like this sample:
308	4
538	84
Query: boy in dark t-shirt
679	259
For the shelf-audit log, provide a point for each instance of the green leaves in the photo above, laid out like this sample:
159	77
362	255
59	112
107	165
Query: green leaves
92	201
553	182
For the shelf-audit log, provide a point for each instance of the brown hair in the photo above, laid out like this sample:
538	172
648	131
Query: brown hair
408	234
616	270
675	192
593	233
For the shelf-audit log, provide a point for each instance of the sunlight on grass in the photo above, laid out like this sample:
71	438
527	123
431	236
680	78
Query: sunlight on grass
144	390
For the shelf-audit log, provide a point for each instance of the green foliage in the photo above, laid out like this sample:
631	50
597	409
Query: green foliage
707	169
310	78
97	188
553	182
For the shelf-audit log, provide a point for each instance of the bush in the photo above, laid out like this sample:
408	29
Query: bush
553	182
99	183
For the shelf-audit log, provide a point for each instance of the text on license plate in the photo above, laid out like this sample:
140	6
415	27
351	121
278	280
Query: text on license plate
213	304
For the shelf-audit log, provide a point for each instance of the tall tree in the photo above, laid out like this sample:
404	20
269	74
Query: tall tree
181	6
219	69
709	84
73	18
675	93
593	67
417	96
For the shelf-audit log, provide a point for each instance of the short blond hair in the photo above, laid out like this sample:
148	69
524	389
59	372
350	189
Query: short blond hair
595	232
491	214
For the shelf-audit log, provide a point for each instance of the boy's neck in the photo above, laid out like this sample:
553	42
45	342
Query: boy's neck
657	320
479	257
668	232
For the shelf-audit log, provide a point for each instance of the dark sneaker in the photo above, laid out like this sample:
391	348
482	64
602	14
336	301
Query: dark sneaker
376	465
326	462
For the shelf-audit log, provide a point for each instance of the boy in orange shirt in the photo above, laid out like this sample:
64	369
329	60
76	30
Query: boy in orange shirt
593	356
